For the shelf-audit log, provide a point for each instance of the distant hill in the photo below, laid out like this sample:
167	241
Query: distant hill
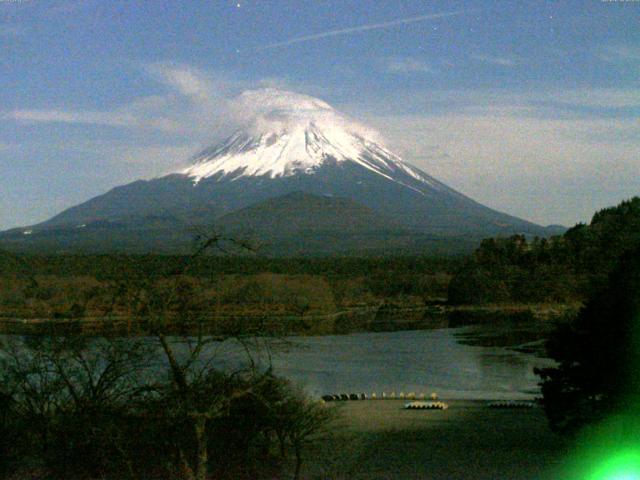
299	224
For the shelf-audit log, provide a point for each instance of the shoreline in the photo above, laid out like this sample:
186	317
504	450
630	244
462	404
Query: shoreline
382	318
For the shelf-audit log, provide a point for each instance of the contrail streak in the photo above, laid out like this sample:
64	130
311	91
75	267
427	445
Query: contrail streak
361	28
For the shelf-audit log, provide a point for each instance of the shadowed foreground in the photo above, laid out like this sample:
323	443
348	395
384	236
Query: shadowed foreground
378	439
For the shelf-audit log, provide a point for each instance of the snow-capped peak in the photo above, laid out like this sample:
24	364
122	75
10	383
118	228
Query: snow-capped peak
288	133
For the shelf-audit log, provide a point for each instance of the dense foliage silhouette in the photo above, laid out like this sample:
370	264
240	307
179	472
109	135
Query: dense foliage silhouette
598	354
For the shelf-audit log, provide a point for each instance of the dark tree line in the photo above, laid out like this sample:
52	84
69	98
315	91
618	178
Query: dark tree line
559	269
112	266
598	354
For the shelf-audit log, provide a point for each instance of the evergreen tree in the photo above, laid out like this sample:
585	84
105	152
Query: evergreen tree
598	354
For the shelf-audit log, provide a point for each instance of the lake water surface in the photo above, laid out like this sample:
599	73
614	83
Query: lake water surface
476	362
421	361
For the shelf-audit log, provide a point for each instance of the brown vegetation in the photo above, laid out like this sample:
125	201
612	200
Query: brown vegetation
221	296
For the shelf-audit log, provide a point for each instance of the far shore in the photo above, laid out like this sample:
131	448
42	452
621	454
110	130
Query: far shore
379	318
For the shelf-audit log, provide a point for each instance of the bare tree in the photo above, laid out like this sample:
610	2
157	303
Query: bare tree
94	392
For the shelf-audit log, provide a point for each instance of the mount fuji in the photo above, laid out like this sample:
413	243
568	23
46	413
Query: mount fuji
299	177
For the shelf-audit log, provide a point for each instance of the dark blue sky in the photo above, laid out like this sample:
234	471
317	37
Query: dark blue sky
530	107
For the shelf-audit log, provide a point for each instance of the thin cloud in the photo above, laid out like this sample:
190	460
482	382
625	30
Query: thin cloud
362	28
69	7
8	30
407	65
500	61
197	106
187	80
132	116
196	98
59	116
510	160
606	98
556	103
619	54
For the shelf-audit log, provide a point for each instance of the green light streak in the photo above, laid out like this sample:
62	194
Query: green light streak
607	451
623	465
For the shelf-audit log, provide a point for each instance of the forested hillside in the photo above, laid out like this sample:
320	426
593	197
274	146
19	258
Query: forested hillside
559	269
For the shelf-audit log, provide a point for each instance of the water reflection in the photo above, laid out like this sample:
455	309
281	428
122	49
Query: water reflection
454	362
411	361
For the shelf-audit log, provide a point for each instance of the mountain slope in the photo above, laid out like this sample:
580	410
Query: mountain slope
301	212
292	143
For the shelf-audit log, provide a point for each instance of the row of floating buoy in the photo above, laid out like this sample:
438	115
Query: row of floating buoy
344	396
508	404
374	396
419	401
426	406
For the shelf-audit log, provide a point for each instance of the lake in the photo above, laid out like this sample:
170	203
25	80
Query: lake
456	363
484	362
